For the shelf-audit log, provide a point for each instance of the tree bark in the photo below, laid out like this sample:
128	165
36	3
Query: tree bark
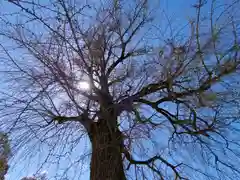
106	160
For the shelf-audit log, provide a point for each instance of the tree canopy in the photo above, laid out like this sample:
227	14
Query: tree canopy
115	88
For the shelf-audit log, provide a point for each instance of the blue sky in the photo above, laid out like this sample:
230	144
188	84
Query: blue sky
178	11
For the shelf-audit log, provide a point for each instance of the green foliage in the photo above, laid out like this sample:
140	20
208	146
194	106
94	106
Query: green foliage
5	153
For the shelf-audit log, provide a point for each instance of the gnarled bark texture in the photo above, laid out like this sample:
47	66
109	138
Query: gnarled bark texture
106	161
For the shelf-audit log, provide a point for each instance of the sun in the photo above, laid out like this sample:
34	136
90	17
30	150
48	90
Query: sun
83	85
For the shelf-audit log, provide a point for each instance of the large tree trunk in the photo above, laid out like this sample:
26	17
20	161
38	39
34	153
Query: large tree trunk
106	161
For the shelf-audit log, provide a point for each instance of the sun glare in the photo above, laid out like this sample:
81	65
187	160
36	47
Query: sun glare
84	85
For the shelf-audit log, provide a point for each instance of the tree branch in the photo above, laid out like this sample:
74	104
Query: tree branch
83	119
152	160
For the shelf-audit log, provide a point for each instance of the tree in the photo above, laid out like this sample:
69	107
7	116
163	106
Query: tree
5	154
29	178
150	110
41	176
